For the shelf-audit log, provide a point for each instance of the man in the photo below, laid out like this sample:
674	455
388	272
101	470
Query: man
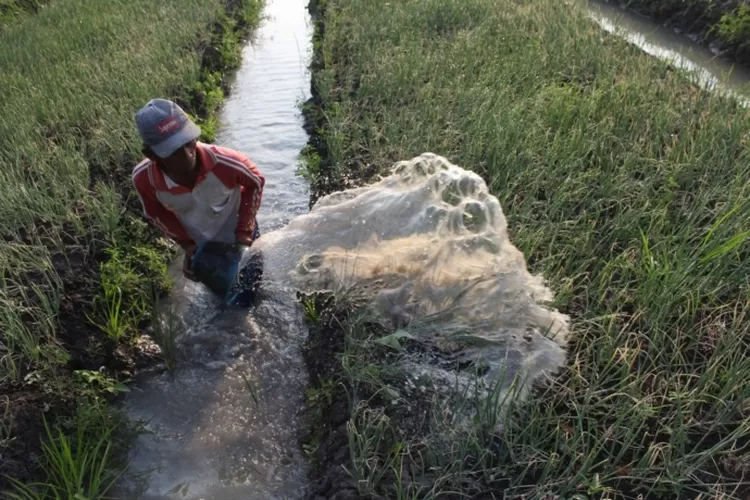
194	192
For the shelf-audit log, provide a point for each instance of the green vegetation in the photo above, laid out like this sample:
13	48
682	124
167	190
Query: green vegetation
12	10
624	185
77	458
80	269
734	27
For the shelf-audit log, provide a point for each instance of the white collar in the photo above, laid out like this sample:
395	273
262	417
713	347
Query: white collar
170	183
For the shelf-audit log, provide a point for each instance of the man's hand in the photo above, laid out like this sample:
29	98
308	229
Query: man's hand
244	238
189	251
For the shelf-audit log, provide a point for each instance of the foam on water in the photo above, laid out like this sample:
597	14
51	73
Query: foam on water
429	246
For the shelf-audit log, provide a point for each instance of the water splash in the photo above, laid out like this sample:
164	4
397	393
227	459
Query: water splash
428	245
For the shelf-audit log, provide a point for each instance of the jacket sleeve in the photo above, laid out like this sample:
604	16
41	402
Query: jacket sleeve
158	214
239	170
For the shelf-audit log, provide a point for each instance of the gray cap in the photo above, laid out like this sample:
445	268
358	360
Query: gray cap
165	127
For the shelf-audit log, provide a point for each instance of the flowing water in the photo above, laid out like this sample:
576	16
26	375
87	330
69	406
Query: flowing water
224	424
709	70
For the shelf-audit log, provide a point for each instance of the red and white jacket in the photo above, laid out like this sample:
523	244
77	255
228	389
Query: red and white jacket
224	201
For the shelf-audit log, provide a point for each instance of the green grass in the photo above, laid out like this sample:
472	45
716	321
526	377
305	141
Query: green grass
79	268
12	10
79	458
734	27
126	299
625	185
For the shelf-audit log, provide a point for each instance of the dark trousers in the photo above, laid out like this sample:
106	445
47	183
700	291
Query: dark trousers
250	277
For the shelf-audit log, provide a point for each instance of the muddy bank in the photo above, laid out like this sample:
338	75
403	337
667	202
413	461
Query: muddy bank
359	409
326	440
50	393
330	423
724	26
56	386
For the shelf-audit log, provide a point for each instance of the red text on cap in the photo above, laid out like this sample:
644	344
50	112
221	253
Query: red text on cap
168	125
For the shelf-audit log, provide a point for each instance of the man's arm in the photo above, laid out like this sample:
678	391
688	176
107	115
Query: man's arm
157	213
238	169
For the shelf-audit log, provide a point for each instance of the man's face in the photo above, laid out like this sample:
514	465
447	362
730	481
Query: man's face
182	162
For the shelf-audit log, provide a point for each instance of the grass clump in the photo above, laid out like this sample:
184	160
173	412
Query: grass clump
126	298
734	27
12	10
67	127
624	184
79	457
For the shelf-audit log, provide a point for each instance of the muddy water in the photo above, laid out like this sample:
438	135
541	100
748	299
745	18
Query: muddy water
709	70
224	424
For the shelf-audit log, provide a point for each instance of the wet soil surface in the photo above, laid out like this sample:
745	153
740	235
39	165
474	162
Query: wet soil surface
23	406
325	432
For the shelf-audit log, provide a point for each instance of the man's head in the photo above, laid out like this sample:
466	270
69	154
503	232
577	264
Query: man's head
169	136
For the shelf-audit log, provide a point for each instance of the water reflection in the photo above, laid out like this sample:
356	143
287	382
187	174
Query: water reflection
711	72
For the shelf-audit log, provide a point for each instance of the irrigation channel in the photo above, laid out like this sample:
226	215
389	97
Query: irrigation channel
224	424
709	70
